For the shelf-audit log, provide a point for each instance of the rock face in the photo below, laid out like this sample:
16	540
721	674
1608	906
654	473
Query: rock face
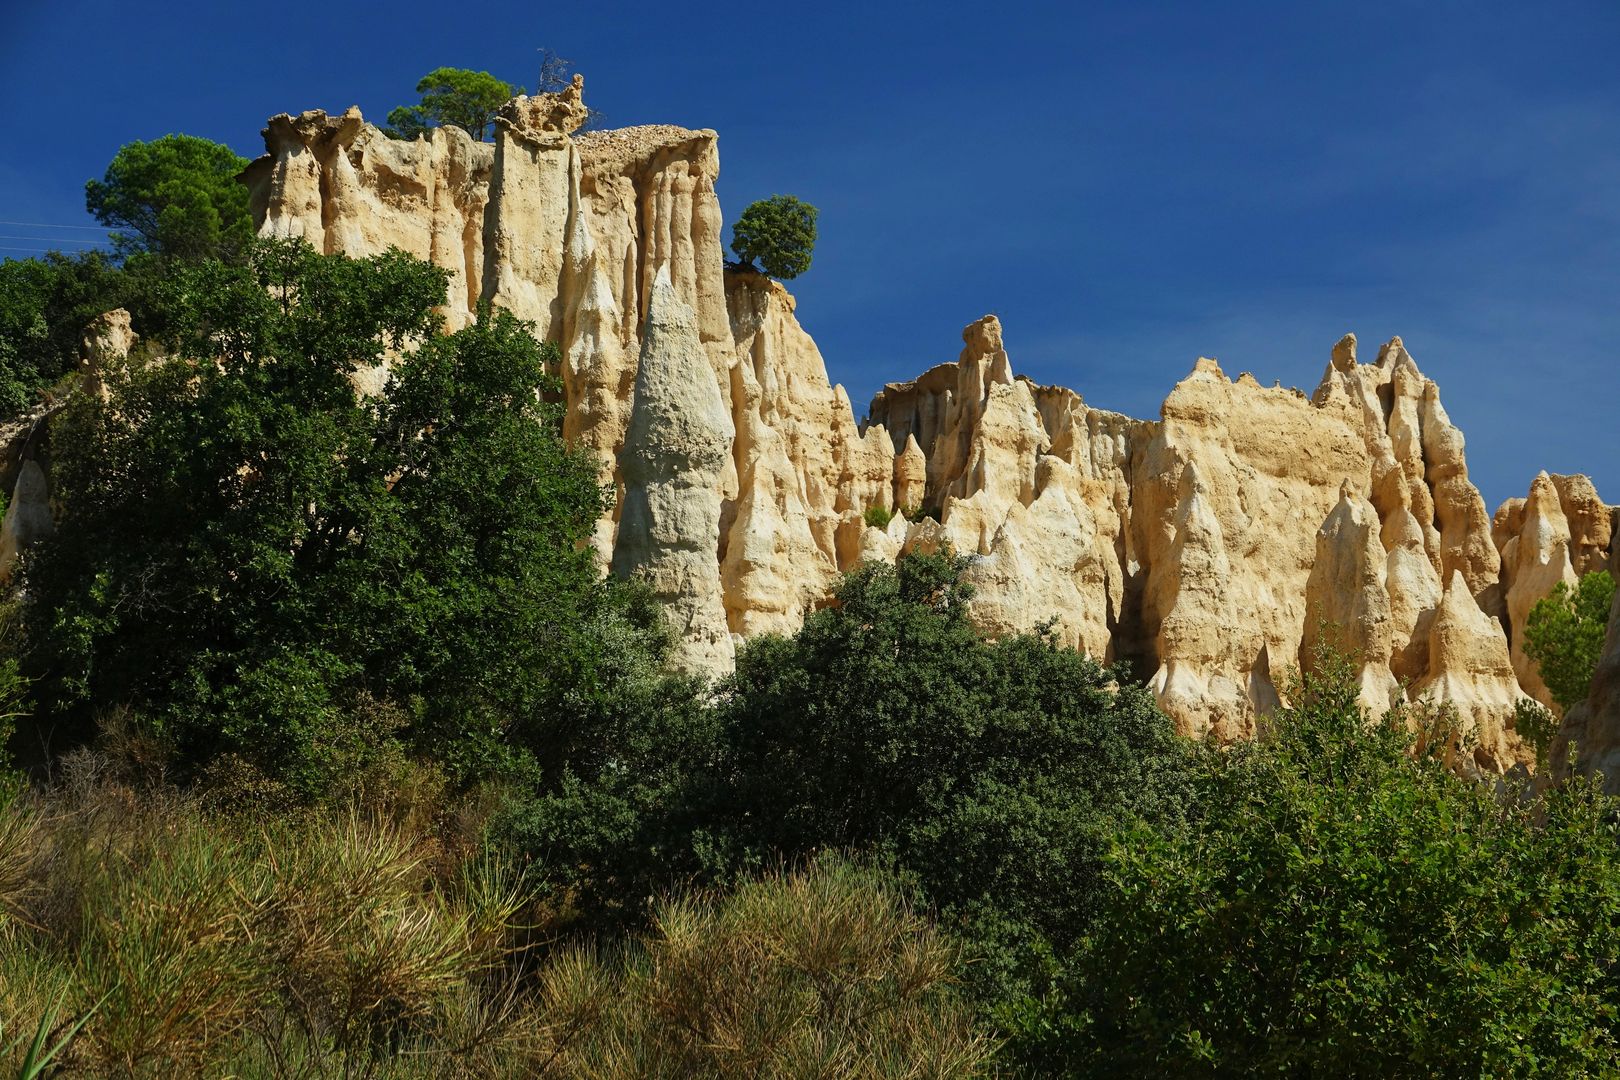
679	442
1207	548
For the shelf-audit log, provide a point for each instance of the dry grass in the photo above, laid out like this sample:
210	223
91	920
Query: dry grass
824	973
363	945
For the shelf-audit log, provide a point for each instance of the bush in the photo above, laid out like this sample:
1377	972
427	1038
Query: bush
45	305
878	517
779	233
1338	907
1564	635
200	940
252	557
328	944
988	772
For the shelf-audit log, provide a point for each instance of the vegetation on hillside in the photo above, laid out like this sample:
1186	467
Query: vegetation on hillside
335	755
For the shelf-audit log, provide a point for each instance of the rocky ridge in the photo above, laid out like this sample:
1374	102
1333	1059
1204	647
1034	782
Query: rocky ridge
1208	548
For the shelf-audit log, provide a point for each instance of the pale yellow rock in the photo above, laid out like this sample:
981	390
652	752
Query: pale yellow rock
1470	670
106	341
1188	544
28	518
1591	523
1414	594
1539	560
780	391
1270	466
1348	602
1043	565
1203	682
343	186
910	476
773	571
678	443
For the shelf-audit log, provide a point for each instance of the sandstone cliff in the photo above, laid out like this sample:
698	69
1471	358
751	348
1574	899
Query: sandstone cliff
1208	547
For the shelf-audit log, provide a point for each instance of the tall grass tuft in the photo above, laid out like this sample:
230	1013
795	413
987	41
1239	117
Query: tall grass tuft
825	972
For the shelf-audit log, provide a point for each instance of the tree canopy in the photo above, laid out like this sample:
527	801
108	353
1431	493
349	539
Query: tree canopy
1564	635
458	96
779	233
989	771
175	197
44	306
1338	906
260	562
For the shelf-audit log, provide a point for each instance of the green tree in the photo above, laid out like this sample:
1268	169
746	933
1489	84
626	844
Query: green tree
1338	907
174	197
988	772
45	304
252	557
457	96
779	233
1564	635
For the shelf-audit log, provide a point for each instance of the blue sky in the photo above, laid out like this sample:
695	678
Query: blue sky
1127	185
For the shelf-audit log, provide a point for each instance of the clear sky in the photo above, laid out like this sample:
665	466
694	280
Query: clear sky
1128	185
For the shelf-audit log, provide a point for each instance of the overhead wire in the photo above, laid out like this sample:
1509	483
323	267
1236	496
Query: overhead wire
49	239
48	225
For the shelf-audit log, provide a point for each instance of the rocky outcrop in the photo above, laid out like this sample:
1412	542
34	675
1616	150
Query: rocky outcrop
1534	562
679	442
1470	671
1207	548
1347	599
28	517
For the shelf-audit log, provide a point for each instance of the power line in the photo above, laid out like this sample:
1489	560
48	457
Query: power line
49	239
48	225
40	250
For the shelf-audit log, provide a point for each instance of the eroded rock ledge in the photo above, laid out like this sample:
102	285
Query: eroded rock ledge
1205	547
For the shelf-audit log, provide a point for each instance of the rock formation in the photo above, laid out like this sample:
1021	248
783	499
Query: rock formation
679	441
1197	547
1470	671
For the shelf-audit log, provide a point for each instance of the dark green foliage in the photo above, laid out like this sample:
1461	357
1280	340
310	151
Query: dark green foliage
609	808
779	233
1564	635
1537	726
45	304
466	99
250	554
175	197
1340	908
989	772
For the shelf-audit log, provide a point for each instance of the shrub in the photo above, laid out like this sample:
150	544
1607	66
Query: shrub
878	517
256	561
779	233
1564	635
1338	907
324	940
989	772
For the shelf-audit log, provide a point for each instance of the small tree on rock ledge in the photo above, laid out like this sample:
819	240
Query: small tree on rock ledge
779	233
